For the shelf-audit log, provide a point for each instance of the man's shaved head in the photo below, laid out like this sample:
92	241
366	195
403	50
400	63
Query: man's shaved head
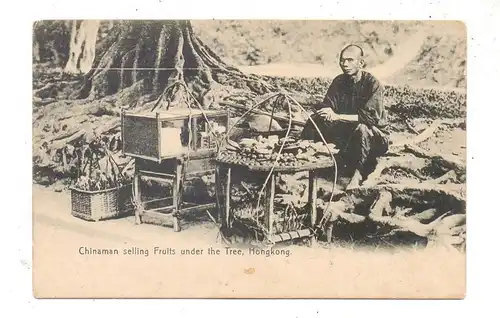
353	48
351	59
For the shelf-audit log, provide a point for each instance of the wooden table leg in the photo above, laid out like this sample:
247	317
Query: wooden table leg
219	206
269	212
313	192
137	198
329	232
175	194
227	203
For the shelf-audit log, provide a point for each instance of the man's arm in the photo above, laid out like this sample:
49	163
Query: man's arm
348	118
330	115
373	112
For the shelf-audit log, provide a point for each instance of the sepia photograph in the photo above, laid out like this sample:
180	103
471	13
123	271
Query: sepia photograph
249	158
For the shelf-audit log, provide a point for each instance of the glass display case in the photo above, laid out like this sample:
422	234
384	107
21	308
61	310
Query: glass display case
168	134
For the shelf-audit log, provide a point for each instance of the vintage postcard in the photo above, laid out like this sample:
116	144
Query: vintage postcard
249	159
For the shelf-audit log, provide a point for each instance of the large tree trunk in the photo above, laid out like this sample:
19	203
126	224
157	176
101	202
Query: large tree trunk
157	54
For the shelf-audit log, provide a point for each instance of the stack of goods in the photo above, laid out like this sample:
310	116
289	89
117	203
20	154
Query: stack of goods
99	171
102	181
210	135
286	151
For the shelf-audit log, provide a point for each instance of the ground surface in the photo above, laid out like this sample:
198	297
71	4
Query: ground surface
59	270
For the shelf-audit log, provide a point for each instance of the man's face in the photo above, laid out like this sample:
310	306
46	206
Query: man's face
350	61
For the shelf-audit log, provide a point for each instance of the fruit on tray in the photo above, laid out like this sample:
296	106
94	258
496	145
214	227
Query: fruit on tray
263	151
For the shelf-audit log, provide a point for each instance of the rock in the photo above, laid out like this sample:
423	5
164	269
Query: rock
59	188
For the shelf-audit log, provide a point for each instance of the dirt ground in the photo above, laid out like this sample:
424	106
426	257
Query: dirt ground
60	270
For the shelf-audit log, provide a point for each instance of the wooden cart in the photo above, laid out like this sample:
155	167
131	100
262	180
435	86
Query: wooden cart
170	146
225	170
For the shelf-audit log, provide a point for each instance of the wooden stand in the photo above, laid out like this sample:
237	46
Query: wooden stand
172	158
225	209
172	171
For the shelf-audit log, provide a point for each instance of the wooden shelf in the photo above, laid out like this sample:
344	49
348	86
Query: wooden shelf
224	208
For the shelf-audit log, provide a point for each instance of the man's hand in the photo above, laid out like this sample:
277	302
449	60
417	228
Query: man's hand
328	114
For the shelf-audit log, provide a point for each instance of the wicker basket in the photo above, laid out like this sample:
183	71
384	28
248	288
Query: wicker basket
102	204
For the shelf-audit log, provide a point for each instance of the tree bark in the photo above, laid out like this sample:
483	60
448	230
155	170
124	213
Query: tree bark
446	161
158	54
432	212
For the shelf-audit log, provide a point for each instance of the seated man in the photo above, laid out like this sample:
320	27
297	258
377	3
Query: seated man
352	116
